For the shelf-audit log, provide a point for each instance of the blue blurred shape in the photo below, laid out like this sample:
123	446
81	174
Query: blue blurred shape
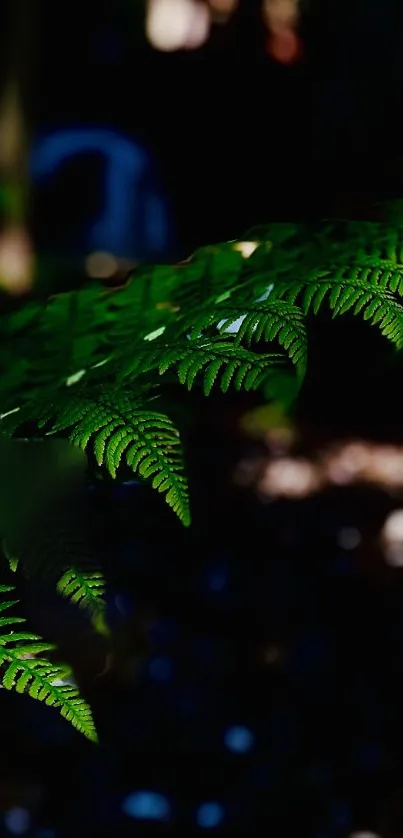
239	739
17	820
161	668
134	223
147	806
209	815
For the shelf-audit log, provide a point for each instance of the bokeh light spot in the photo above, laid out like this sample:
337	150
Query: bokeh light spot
239	739
17	820
146	805
209	815
348	538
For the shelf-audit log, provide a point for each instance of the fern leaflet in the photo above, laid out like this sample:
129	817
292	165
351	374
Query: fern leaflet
208	358
25	672
261	320
86	588
118	427
348	293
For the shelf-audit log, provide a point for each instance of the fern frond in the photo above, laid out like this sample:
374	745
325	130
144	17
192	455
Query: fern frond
12	559
347	290
27	673
381	272
118	427
372	240
155	295
216	361
257	288
261	320
339	241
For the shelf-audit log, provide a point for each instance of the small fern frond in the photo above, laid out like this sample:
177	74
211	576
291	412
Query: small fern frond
12	559
27	673
118	427
54	543
216	361
85	588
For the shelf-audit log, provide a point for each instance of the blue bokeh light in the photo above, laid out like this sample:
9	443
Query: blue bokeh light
209	815
147	805
239	739
17	820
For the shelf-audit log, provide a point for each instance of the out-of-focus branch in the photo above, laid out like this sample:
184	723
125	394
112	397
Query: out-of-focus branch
16	259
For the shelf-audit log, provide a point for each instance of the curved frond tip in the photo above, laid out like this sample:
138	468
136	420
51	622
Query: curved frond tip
361	291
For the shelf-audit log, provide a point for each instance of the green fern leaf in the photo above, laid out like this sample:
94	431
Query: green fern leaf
117	426
262	320
85	588
345	290
37	676
210	359
44	557
10	556
382	272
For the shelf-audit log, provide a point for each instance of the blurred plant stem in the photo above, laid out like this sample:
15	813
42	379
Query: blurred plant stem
19	43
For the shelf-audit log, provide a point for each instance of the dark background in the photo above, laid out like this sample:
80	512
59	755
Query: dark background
236	140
